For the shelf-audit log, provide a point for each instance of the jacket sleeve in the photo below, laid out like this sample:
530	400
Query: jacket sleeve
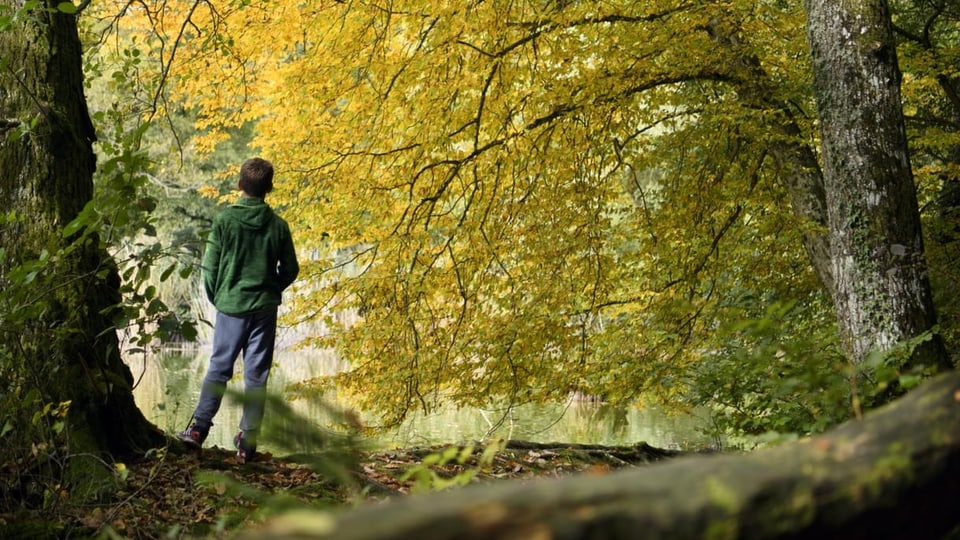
211	261
287	267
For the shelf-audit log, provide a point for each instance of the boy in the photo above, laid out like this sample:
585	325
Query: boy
249	261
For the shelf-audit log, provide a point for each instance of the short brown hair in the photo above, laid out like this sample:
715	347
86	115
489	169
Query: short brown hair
256	177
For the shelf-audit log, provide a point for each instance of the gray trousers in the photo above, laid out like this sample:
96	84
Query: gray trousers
254	334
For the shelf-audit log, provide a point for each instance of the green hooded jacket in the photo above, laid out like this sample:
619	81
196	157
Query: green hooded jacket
249	258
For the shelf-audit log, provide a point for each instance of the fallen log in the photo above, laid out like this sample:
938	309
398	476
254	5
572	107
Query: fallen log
635	454
894	474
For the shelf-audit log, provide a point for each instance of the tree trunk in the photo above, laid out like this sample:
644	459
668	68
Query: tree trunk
799	171
882	291
894	474
57	335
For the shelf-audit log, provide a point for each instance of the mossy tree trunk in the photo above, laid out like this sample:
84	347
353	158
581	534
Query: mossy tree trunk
882	293
58	337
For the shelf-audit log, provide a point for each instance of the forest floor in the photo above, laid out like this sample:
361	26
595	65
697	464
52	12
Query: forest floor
213	494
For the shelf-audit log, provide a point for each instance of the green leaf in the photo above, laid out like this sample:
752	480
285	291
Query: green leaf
465	454
449	454
83	220
166	273
67	7
148	204
29	6
908	381
189	331
155	306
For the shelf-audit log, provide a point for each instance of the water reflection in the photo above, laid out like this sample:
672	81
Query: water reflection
169	384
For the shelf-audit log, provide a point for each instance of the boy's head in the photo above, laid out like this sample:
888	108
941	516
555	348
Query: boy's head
256	177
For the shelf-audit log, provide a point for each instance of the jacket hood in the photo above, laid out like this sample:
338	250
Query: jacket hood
251	213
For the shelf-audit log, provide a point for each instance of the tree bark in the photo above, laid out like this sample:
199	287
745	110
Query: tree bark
894	474
67	348
882	295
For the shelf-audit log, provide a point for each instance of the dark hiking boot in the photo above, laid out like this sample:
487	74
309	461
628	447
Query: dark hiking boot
193	436
245	448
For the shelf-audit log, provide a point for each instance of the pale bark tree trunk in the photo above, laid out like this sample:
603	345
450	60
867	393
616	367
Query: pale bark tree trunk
882	290
67	350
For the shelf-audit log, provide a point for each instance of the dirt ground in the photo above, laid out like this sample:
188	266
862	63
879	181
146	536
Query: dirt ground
213	494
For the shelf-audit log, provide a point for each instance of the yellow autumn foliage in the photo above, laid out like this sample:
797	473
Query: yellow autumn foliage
520	199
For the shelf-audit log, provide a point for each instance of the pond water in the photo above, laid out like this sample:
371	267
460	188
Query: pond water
168	384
